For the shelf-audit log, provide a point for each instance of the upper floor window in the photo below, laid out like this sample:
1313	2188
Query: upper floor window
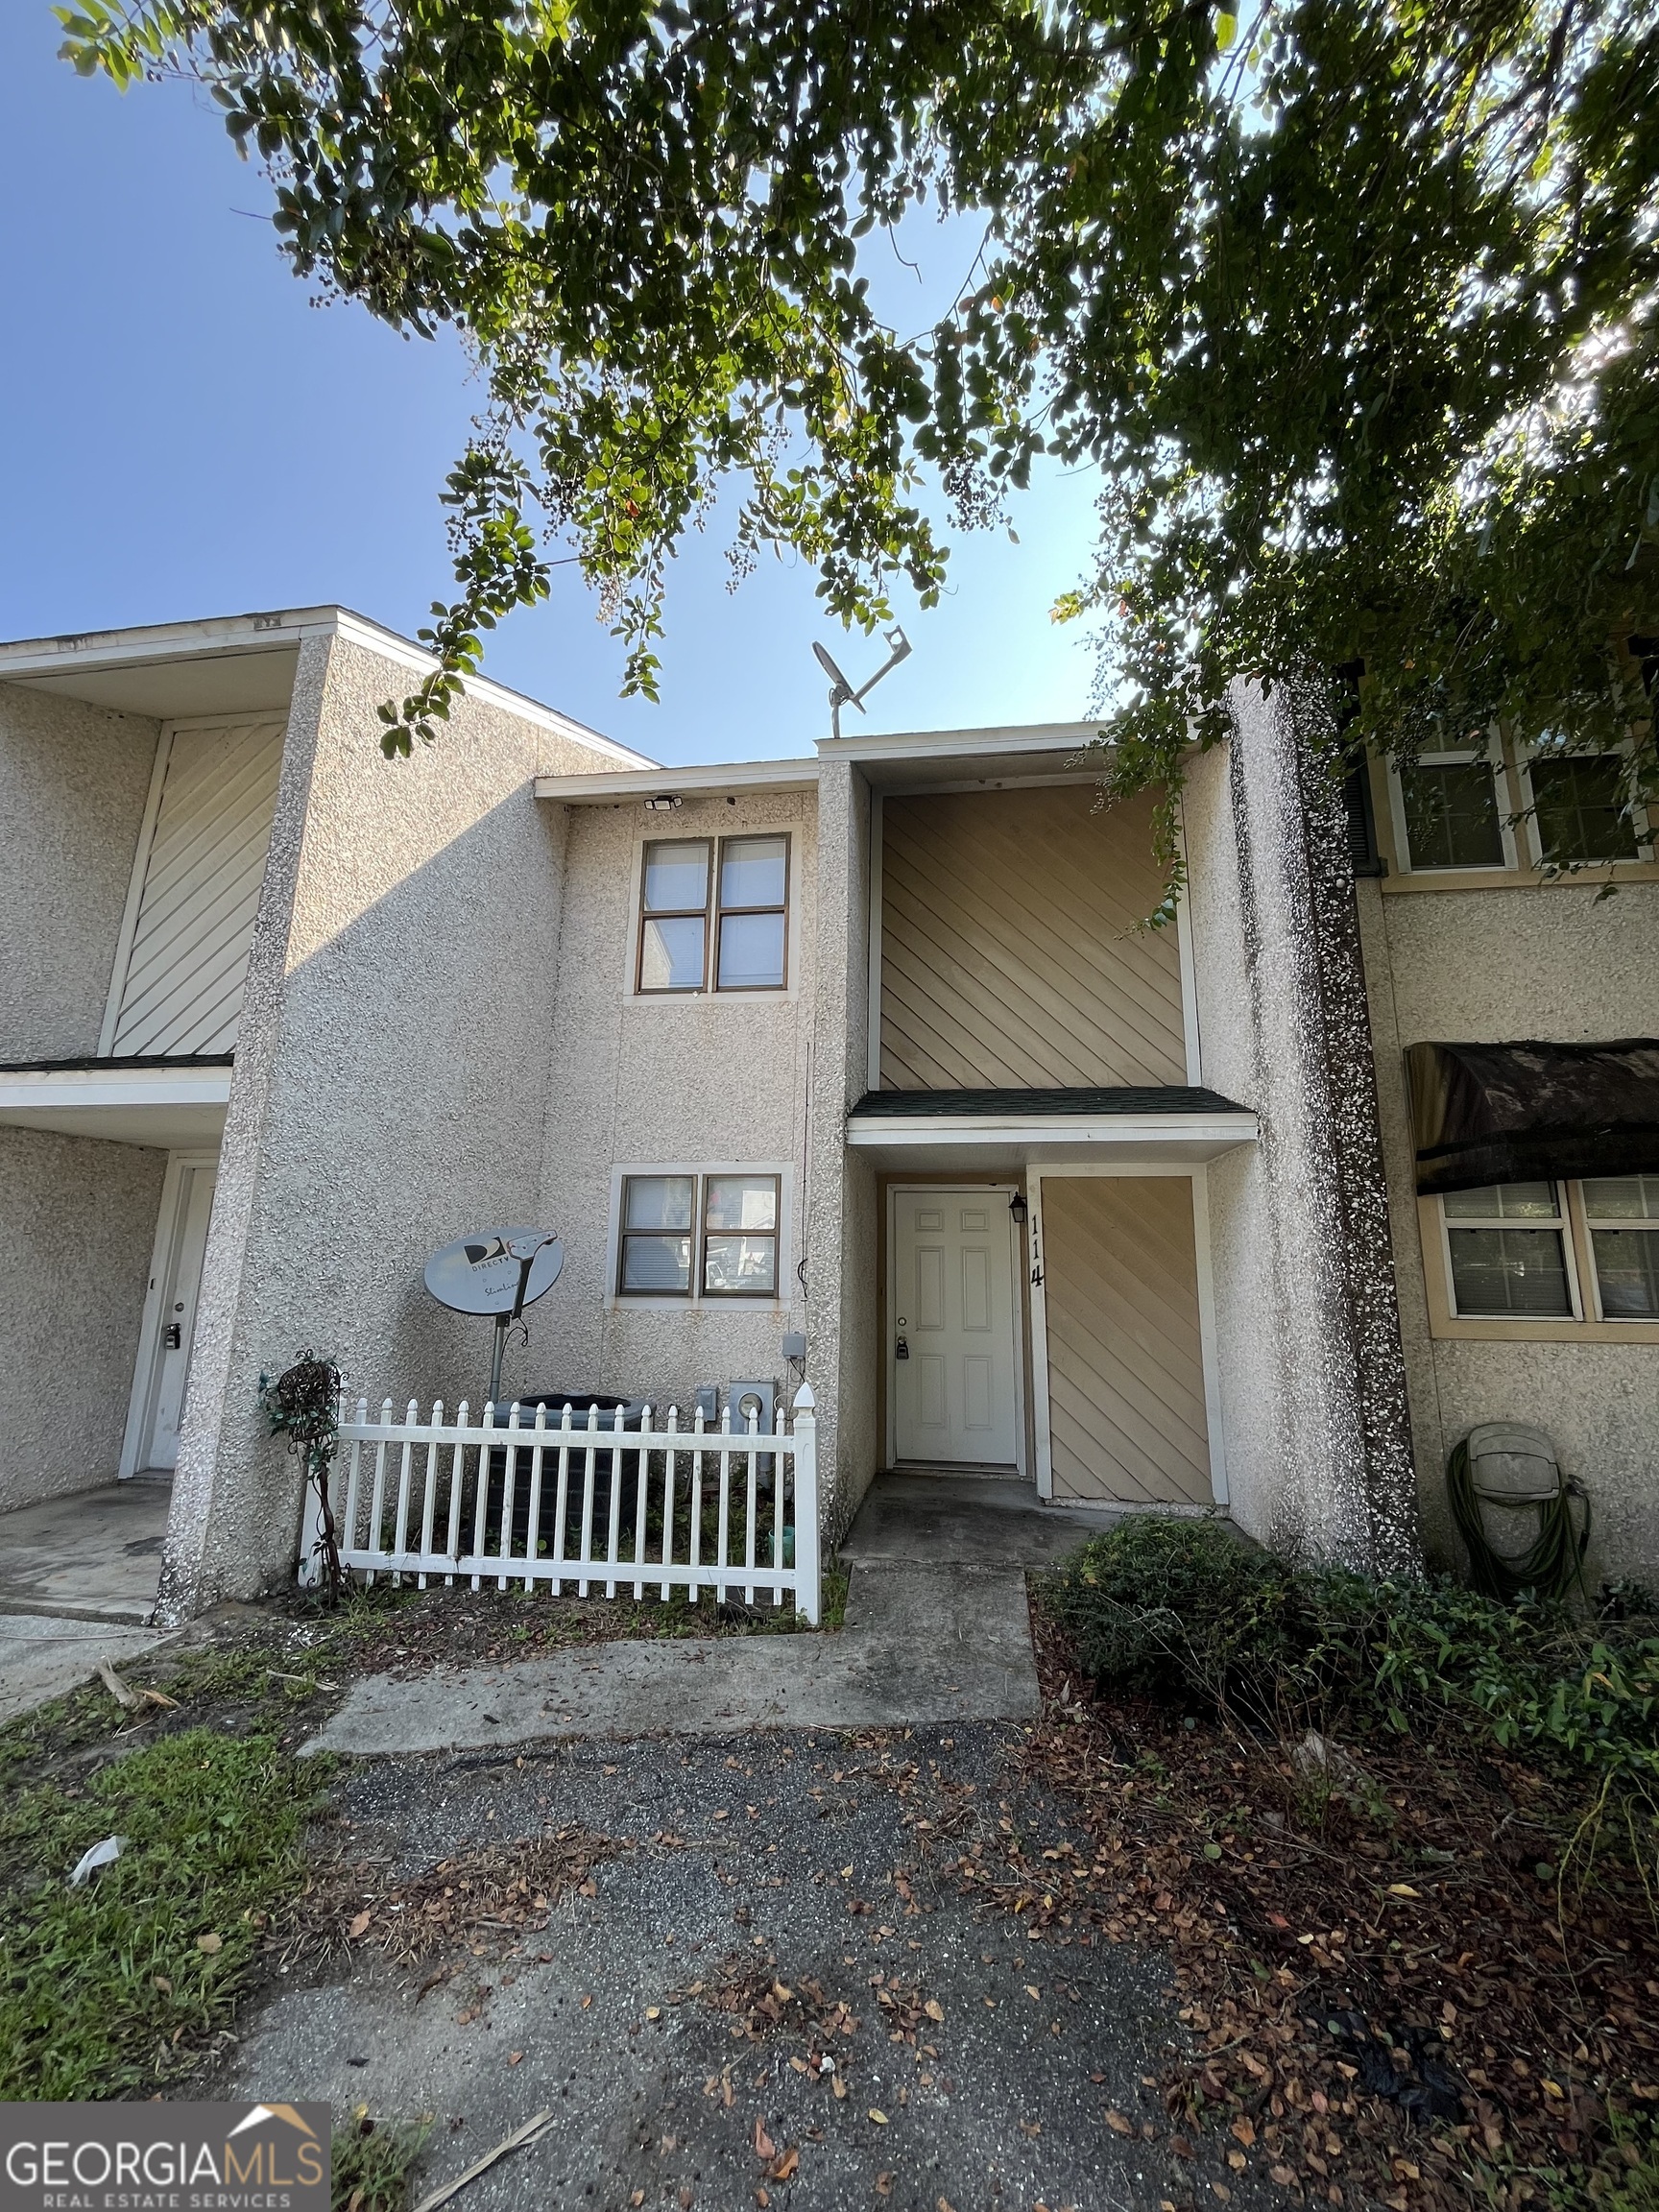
713	914
1581	809
1451	815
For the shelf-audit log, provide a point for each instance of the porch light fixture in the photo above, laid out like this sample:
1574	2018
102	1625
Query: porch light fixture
1017	1206
665	804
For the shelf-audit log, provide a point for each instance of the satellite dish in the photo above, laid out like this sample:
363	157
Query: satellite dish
834	673
841	692
496	1271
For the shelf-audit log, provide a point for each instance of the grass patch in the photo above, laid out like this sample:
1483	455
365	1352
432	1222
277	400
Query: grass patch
108	1990
373	2163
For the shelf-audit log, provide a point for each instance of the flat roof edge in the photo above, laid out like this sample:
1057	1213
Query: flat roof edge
704	779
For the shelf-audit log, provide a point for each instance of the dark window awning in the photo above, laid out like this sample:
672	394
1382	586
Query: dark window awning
1519	1112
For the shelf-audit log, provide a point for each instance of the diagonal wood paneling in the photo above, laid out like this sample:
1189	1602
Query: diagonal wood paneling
181	991
1125	1363
1010	956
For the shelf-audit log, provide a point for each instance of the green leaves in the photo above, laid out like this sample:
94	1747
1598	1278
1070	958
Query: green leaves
1350	303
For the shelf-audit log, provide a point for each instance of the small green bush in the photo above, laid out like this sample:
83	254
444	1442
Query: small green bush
1182	1608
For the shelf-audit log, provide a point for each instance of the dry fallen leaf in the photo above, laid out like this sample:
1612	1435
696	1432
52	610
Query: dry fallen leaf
1403	1890
783	2169
884	2185
934	2009
161	1982
1244	2130
209	1943
879	2116
765	2147
514	2057
839	2086
359	1924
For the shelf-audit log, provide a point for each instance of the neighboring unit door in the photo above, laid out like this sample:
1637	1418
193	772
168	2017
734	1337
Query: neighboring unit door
951	1352
1123	1340
180	1288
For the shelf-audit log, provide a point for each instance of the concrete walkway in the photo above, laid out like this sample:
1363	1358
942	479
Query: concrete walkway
954	1520
77	1579
92	1555
922	1644
937	1632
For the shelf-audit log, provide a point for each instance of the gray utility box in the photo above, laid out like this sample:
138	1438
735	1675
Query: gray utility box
1511	1466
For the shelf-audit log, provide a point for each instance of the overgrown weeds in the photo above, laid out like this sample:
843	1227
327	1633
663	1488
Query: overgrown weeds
111	1987
1182	1607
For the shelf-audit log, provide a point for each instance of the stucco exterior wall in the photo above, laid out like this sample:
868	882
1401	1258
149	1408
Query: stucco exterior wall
80	1223
704	1080
73	782
842	1260
390	1088
1502	964
1243	1252
1312	1377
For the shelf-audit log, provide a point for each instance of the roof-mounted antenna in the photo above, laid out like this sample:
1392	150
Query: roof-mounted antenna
842	693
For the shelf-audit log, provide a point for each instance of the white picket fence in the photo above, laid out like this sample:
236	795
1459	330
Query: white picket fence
586	1502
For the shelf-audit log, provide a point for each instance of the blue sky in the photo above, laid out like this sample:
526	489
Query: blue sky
185	434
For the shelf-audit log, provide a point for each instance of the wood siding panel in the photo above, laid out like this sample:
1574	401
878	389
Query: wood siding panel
1009	955
181	991
1126	1410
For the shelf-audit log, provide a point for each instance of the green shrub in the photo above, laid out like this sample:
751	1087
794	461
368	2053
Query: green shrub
1182	1608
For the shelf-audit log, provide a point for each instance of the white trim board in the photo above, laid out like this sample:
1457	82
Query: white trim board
960	1138
1207	1351
161	1108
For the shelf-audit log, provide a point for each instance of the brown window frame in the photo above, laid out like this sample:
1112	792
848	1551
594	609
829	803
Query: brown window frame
692	1232
704	914
721	910
697	1280
713	915
773	1234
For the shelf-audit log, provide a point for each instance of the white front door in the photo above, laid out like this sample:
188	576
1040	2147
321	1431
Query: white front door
951	1330
180	1287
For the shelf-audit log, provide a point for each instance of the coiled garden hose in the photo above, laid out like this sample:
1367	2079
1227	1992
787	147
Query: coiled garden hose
1550	1567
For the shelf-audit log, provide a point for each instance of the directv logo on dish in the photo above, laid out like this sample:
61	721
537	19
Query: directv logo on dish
164	2157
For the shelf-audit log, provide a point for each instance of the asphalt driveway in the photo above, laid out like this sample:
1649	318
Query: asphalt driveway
756	1905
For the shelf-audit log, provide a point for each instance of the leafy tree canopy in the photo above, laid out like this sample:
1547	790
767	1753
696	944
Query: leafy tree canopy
1351	303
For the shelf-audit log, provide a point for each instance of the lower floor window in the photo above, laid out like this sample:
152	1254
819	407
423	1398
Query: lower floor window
1513	1252
688	1236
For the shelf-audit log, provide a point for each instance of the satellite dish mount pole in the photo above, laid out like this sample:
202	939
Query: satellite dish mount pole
505	1321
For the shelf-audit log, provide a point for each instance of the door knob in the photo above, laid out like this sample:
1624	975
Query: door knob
902	1350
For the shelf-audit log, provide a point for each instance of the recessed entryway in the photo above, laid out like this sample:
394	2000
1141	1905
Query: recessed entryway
167	1336
953	1366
